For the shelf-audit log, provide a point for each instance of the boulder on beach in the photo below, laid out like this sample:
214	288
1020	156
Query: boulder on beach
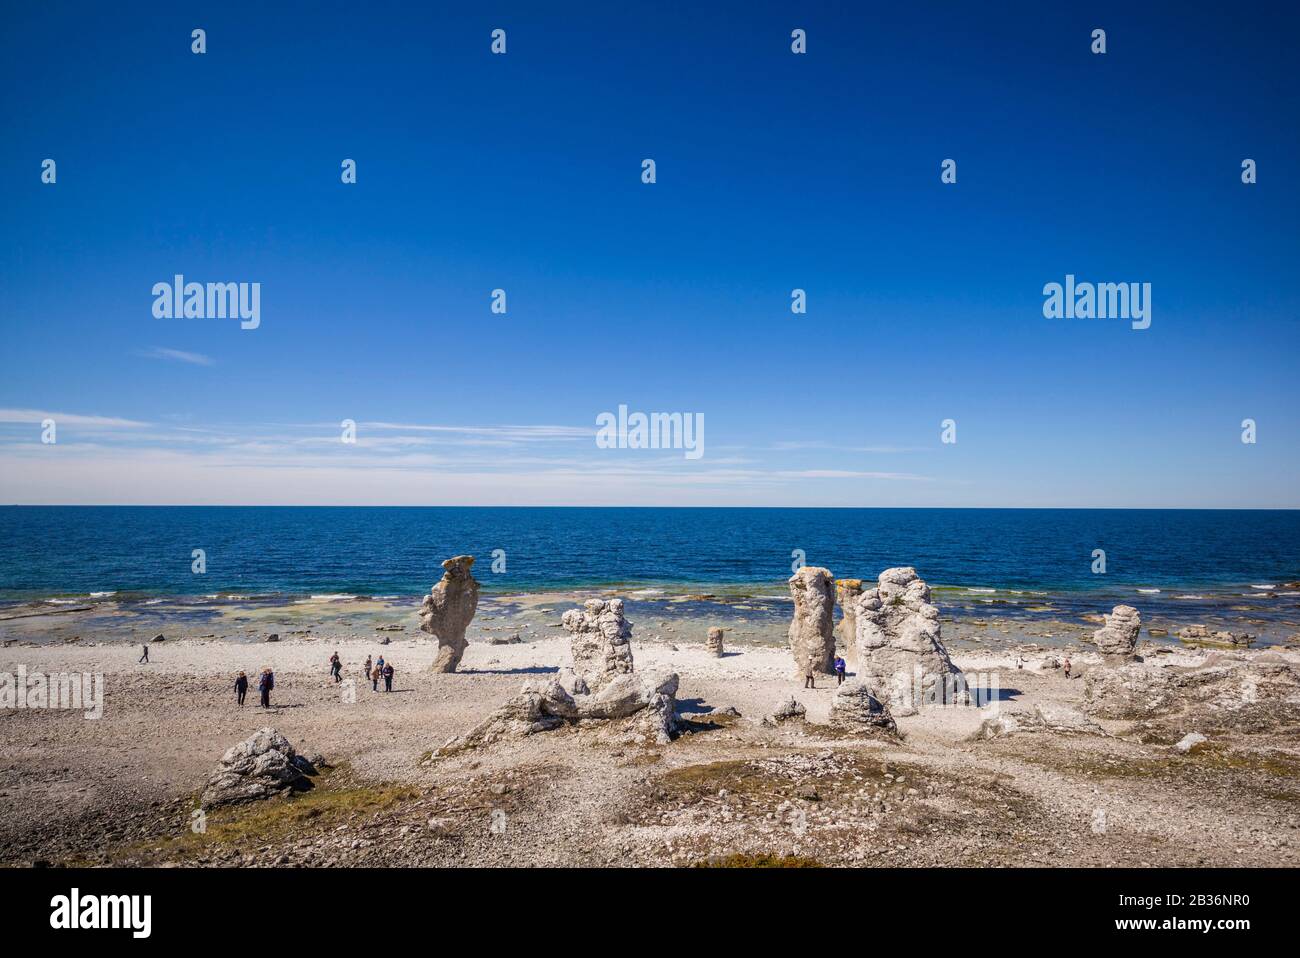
812	636
856	707
601	642
261	766
713	643
1118	637
901	654
789	710
448	609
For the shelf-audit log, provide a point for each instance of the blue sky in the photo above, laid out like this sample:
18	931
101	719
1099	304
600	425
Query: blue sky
775	171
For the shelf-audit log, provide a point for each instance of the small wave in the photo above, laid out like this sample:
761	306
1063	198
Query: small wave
973	589
1189	597
1149	591
1264	587
61	601
154	602
100	595
647	592
332	596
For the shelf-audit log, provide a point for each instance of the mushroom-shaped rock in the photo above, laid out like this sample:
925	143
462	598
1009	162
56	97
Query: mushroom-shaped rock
448	609
601	642
812	636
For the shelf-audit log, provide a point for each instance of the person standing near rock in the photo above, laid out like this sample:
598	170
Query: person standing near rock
336	667
388	677
264	685
144	658
839	670
369	666
1067	666
241	688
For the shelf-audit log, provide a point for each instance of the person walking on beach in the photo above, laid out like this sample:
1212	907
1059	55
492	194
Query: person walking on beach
264	685
388	678
808	681
1067	666
368	666
241	688
336	668
839	670
144	658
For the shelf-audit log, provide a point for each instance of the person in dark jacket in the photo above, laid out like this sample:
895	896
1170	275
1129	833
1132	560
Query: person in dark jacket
145	658
839	670
336	668
388	678
264	685
241	688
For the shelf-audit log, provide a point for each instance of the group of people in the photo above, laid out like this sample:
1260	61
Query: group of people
810	681
265	683
375	671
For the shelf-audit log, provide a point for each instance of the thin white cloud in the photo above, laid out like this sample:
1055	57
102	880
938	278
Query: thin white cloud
180	355
38	416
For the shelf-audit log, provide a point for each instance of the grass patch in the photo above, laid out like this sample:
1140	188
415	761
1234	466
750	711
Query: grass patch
766	860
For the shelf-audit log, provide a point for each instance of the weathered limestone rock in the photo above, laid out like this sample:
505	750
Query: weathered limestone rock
1200	636
1046	717
1120	634
448	609
790	709
846	633
259	767
900	652
713	644
1229	690
601	643
812	637
856	707
647	699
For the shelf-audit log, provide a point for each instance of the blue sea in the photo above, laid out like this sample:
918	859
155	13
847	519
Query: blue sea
75	551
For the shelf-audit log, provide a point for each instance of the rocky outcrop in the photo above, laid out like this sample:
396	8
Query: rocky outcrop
1245	692
601	643
846	632
856	707
900	650
646	699
261	766
448	609
789	710
1118	637
1200	636
713	643
1045	717
812	636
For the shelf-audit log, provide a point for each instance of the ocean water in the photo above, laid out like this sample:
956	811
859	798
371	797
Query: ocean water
71	551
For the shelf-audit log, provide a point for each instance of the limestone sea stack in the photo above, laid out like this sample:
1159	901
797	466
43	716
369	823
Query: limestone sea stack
900	650
713	643
601	642
1118	637
846	633
812	636
448	609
